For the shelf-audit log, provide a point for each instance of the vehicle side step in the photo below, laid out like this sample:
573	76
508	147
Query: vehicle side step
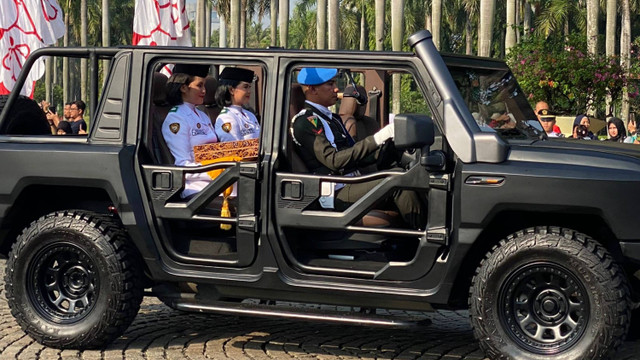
290	312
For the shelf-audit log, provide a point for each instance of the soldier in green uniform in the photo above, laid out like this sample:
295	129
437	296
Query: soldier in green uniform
326	147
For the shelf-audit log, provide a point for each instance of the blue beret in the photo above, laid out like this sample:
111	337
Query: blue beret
316	76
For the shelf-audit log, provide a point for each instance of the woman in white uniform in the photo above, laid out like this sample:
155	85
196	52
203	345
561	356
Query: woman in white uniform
234	92
185	126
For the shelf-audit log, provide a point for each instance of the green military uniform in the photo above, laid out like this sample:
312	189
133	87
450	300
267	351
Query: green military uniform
335	153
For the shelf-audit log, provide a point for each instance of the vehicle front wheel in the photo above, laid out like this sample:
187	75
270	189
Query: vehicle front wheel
73	280
549	293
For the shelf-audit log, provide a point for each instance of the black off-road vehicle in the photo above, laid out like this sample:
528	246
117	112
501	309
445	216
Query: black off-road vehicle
537	237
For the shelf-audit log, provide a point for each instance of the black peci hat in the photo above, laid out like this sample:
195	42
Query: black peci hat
192	69
234	75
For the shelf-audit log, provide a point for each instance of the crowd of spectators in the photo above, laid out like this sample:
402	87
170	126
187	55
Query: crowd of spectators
72	121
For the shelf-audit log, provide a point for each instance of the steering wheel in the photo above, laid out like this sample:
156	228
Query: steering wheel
388	156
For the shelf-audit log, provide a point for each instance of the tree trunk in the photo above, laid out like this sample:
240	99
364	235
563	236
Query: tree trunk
48	68
485	33
222	41
468	32
436	22
234	23
321	26
200	23
363	28
207	24
428	24
518	19
526	18
284	22
625	53
65	60
610	38
83	42
243	24
593	10
106	34
510	37
334	24
379	25
274	22
397	27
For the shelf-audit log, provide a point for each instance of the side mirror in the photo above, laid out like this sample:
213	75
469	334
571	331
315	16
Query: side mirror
413	131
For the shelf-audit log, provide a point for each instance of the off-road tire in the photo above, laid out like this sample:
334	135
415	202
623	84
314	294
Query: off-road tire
79	258
25	118
549	293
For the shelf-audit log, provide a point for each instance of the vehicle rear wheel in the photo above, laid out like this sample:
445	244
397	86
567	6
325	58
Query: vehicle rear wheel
73	280
549	293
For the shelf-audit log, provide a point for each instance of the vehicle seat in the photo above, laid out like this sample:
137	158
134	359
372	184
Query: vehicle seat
353	116
158	112
209	105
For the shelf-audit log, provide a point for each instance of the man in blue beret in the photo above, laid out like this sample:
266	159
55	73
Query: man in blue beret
326	147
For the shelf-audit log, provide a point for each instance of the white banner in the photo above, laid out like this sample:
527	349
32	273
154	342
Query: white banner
25	26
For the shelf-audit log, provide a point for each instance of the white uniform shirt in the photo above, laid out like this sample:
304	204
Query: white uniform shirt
235	123
184	127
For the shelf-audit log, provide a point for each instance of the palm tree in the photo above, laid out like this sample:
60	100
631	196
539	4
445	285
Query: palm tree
593	11
363	28
234	21
274	22
526	17
625	52
321	32
379	25
284	22
510	39
397	27
200	22
334	24
485	35
83	42
556	16
610	38
472	9
106	34
436	22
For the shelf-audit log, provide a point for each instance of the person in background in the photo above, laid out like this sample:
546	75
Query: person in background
541	105
547	120
233	93
632	128
52	118
66	113
64	128
185	125
76	110
616	130
584	120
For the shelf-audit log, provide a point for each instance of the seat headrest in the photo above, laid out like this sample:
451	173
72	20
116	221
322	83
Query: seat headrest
349	106
210	85
159	89
296	100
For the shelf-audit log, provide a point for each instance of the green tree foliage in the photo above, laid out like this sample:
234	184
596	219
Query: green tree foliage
561	73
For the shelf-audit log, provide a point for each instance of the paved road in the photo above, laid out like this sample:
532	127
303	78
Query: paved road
162	333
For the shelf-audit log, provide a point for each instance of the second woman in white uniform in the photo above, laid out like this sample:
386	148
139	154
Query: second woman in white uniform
233	93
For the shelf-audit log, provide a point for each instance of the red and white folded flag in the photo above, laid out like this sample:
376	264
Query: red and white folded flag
25	26
161	23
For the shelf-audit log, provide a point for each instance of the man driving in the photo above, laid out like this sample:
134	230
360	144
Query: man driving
326	147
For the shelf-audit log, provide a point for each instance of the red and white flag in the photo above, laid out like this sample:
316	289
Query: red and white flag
161	23
25	26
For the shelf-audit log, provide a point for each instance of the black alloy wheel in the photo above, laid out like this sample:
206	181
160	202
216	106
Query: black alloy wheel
74	280
544	308
63	283
549	293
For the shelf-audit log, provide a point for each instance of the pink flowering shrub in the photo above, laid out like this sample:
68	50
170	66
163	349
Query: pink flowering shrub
563	74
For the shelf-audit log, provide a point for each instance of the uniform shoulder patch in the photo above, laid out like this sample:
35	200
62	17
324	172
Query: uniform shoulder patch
224	111
174	109
226	127
313	120
174	127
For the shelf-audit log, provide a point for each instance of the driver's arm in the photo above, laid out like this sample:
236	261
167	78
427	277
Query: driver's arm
311	138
